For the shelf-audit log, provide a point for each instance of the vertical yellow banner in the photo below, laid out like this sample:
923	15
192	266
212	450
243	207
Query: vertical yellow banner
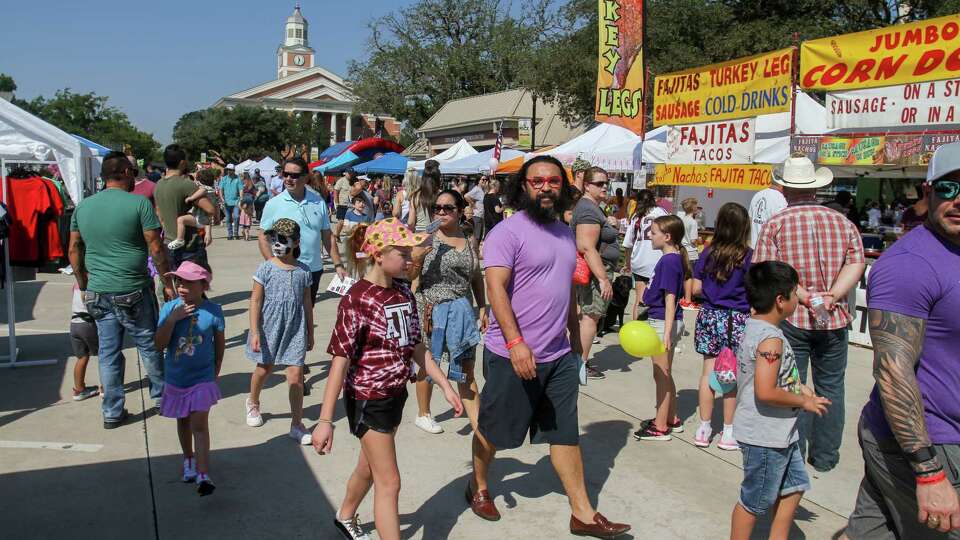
620	73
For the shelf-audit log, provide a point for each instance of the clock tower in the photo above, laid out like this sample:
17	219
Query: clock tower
295	54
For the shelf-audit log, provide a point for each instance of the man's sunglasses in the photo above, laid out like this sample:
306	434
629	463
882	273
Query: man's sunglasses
947	189
444	208
294	175
538	181
603	185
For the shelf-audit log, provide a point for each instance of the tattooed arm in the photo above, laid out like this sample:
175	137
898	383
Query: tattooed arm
897	340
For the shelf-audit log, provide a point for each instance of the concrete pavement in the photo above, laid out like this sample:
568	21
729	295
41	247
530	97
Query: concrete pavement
125	483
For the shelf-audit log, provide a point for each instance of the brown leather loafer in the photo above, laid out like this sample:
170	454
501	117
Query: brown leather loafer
482	504
600	528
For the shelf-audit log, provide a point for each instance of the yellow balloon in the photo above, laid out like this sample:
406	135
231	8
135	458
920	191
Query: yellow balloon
640	339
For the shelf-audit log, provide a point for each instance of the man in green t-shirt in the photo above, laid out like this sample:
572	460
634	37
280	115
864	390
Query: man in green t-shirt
170	196
111	234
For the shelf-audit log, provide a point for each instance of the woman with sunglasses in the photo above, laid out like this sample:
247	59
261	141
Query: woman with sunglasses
451	271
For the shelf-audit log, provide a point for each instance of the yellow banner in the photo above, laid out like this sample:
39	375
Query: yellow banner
739	88
851	151
620	76
752	177
906	53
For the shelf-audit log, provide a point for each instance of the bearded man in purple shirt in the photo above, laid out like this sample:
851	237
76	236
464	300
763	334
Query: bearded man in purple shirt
910	428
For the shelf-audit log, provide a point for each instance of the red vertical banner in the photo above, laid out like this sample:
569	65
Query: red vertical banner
620	64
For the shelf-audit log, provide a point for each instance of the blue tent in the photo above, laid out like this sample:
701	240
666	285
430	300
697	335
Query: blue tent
390	163
96	149
340	162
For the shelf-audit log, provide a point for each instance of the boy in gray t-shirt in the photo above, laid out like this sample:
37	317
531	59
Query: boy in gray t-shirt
769	399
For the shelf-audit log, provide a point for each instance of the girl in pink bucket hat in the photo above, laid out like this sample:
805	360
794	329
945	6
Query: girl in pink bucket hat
372	345
190	330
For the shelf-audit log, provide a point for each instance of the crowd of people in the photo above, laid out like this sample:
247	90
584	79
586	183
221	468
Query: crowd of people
441	271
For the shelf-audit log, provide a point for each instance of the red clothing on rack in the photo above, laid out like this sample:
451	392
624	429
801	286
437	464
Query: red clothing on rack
34	206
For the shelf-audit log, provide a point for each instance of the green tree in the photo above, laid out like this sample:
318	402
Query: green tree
246	132
421	56
687	33
89	115
7	84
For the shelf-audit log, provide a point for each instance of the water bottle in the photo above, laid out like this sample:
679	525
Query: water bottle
820	314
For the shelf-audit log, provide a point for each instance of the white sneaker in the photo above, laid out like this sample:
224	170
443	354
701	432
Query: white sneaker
350	528
702	438
176	244
253	414
727	442
428	424
189	470
300	433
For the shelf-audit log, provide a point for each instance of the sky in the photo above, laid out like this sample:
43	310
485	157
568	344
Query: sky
159	60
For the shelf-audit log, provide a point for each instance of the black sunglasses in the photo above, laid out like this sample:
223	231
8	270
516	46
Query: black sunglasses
947	189
294	175
445	208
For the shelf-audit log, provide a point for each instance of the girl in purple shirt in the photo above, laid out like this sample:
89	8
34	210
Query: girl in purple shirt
663	297
719	277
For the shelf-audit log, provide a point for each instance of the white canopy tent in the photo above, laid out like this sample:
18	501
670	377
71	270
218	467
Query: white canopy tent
622	156
247	165
267	166
458	151
478	163
24	137
587	144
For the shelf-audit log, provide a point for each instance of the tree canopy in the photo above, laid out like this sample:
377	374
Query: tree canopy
247	132
90	116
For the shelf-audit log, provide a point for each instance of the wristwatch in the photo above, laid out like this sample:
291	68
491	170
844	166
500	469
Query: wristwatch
921	455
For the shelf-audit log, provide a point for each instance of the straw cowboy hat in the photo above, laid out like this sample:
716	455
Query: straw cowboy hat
799	173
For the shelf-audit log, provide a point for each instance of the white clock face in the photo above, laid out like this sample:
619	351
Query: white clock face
298	60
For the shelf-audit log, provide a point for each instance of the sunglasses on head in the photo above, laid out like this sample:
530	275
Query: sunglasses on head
444	208
947	189
538	181
294	175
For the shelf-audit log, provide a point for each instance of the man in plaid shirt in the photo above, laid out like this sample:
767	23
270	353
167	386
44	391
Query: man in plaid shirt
826	249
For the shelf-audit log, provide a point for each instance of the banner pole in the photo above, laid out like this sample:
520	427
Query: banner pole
794	73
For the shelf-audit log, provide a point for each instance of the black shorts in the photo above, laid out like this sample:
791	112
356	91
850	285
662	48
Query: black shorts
638	277
84	338
342	211
546	406
315	285
381	415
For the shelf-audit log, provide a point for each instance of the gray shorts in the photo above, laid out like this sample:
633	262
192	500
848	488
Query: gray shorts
590	300
84	339
886	507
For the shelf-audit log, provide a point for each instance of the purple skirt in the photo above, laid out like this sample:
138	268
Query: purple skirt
180	402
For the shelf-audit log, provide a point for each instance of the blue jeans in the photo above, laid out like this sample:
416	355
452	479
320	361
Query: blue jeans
825	351
117	315
232	215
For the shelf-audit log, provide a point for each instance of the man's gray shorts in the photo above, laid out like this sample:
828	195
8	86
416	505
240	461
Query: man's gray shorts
886	506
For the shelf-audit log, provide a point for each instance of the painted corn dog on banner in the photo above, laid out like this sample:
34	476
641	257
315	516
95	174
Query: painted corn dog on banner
620	66
753	177
927	50
740	88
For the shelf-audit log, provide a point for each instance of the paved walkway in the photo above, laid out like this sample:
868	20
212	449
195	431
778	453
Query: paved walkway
63	476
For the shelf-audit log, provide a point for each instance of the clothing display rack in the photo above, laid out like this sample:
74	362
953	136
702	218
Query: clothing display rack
10	360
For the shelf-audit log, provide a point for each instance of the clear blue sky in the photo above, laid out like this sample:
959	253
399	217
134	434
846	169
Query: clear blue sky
159	60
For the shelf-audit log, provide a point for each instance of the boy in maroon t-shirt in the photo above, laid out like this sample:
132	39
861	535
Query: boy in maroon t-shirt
372	345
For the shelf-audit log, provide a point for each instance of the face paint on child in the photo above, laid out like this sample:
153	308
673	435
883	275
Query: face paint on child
283	245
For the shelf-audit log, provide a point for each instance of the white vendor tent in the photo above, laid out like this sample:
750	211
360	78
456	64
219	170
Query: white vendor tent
267	167
772	137
247	165
478	163
25	137
458	151
622	156
586	144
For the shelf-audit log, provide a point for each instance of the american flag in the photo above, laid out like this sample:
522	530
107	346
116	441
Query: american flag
499	145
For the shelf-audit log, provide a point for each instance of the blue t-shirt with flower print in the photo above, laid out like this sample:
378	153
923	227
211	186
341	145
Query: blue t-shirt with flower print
190	358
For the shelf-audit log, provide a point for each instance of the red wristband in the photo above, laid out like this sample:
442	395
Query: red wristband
514	342
933	478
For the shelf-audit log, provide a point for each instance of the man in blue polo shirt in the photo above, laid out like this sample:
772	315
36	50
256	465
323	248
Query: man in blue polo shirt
310	211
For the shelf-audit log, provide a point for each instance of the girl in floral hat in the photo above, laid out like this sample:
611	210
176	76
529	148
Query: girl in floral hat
372	345
190	328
